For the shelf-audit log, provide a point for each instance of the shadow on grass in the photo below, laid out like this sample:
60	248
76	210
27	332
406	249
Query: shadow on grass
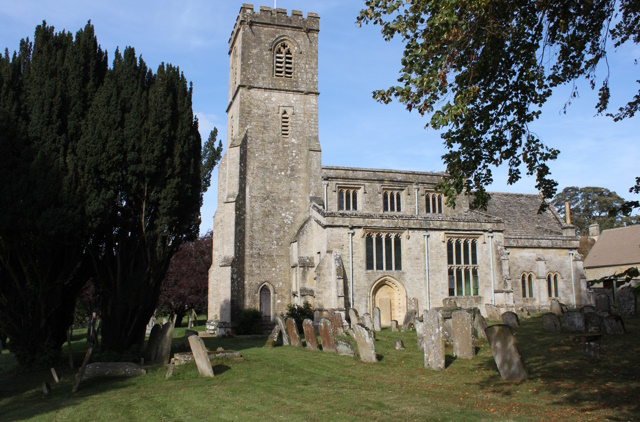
448	360
557	361
220	369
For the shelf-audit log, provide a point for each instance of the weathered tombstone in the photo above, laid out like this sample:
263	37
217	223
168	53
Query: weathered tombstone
283	330
170	370
594	323
46	388
354	318
292	330
462	327
400	345
447	330
420	332
201	356
336	320
377	324
511	319
366	346
479	325
626	302
574	321
394	326
367	321
310	335
602	303
344	348
150	325
613	325
493	313
555	307
434	341
326	335
588	309
211	327
591	350
551	322
275	338
164	344
409	319
153	343
505	353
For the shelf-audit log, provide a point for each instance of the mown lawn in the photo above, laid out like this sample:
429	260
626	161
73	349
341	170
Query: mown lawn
295	384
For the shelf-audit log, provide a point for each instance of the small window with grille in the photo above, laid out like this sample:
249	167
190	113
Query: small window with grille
283	61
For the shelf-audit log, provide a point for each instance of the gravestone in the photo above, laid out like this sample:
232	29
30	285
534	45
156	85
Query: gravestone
336	320
366	346
201	356
493	313
377	325
594	323
434	341
626	302
394	326
613	325
354	318
150	325
602	303
555	307
551	322
164	344
588	309
326	335
153	343
462	327
409	319
111	370
420	335
283	330
275	338
574	321
310	335
292	330
399	345
591	350
511	319
344	348
367	321
447	330
505	353
479	325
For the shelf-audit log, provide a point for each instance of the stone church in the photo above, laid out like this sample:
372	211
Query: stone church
289	230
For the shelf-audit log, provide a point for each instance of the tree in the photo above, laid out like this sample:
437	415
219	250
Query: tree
45	91
186	283
482	69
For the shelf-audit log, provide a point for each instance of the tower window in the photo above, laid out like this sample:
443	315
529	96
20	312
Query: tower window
283	61
285	124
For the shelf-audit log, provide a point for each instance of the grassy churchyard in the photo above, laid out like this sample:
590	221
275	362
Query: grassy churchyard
286	383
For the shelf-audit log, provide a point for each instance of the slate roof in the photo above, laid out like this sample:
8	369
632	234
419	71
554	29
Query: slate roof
520	215
619	246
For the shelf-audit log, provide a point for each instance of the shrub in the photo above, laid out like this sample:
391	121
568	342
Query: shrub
300	313
250	322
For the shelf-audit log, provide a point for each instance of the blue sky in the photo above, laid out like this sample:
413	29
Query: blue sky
354	129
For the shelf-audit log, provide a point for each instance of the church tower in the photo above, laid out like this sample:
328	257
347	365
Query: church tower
270	171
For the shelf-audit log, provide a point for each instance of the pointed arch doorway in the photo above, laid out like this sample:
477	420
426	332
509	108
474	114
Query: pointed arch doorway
266	302
390	296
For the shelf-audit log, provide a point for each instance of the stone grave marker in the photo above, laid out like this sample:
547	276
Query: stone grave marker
493	313
409	319
394	326
613	325
551	322
588	309
505	353
555	307
447	329
275	338
153	343
366	345
420	334
377	324
164	344
479	325
326	335
511	319
310	335
367	321
336	320
292	330
400	344
594	323
344	348
111	370
201	356
434	341
354	318
602	303
575	322
462	327
626	302
283	330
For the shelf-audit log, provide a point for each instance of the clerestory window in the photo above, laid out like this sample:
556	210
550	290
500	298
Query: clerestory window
433	203
283	61
527	285
462	266
391	201
383	252
348	199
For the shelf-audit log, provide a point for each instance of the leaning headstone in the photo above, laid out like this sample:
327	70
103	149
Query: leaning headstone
377	324
551	322
479	325
201	356
394	326
613	325
310	335
591	350
626	302
367	321
602	303
164	345
344	348
292	330
354	318
283	330
366	346
326	335
153	343
555	307
400	345
493	313
462	325
434	341
511	319
420	334
275	338
505	353
574	321
336	320
594	323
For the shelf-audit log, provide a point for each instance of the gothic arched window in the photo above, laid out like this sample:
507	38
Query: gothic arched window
283	61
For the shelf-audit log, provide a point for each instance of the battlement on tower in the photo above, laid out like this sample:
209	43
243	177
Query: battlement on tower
278	17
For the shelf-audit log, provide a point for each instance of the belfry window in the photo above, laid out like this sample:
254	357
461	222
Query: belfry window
383	252
391	201
462	266
348	199
552	284
283	61
285	124
527	285
433	203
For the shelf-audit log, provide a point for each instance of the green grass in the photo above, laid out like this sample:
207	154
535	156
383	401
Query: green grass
285	383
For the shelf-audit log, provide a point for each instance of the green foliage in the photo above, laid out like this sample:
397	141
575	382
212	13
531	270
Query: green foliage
482	70
249	322
300	313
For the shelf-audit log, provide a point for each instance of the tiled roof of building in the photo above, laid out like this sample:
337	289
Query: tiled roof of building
619	246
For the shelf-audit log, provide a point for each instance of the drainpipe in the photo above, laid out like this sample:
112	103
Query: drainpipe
573	287
415	189
493	292
326	186
351	266
426	268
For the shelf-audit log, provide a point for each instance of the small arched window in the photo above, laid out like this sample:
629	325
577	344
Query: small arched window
283	61
552	284
527	285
